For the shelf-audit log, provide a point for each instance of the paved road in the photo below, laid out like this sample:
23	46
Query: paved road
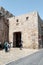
33	59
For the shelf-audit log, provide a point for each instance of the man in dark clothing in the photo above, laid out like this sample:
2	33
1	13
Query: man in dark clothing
20	45
6	46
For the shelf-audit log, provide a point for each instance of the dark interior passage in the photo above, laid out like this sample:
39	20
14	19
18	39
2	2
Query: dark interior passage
16	39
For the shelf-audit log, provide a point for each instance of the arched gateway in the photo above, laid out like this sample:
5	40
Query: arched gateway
16	39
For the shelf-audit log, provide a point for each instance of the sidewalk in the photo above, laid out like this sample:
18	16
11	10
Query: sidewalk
14	54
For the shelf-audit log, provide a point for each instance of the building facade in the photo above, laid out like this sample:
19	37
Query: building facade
5	13
4	24
26	29
4	30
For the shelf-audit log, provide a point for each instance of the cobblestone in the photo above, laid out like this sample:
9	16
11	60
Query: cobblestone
14	54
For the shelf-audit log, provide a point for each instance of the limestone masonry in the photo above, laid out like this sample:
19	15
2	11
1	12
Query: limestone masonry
26	29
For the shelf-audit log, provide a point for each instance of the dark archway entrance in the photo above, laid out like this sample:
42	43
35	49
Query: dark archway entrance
16	39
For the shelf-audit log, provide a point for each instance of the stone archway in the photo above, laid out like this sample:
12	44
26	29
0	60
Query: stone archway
16	39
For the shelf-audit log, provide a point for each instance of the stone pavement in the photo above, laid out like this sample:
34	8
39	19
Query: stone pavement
14	54
33	59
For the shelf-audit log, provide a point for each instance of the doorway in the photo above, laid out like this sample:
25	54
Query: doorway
16	39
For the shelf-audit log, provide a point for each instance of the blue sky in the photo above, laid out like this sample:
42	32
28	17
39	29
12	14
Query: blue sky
19	7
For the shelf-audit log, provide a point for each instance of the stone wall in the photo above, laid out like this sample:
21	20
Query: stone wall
27	24
5	13
4	30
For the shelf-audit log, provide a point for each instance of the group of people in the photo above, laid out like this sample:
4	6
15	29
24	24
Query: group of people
7	46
